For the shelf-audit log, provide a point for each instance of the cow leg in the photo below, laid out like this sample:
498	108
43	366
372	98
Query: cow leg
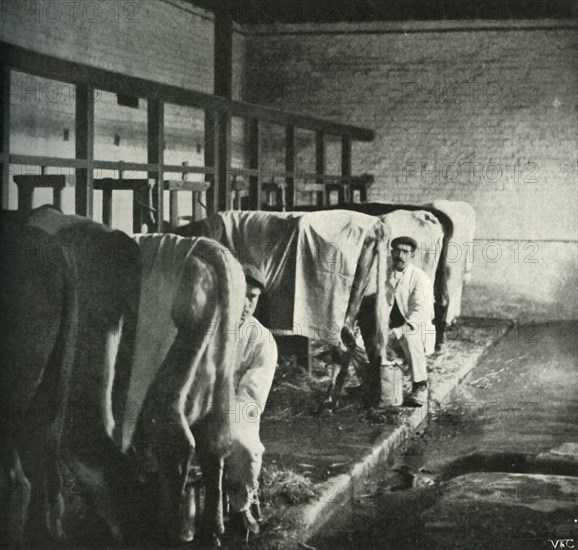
16	490
51	484
370	376
328	403
178	517
173	451
188	515
212	526
54	484
47	507
441	315
107	476
339	373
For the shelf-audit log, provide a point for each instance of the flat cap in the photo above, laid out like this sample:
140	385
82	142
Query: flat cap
255	276
404	240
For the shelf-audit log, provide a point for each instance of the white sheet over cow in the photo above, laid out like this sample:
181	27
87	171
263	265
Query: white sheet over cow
167	297
310	252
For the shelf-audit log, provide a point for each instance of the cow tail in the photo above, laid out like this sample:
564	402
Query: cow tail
381	306
63	353
231	299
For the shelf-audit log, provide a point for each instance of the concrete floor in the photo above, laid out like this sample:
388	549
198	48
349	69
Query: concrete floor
521	400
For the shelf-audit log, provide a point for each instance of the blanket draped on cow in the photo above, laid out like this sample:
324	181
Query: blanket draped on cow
168	304
309	260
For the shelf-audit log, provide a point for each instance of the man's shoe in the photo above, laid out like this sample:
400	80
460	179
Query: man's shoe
417	398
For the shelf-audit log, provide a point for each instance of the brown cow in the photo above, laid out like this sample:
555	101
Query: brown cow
38	302
106	268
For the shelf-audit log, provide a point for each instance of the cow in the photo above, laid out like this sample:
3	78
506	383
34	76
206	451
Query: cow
181	388
38	302
308	290
193	383
106	270
458	222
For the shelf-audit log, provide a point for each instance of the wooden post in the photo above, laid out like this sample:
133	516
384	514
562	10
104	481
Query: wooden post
255	193
320	163
211	156
156	152
196	205
290	166
84	149
223	52
25	197
345	194
107	205
56	192
5	137
174	201
137	201
224	159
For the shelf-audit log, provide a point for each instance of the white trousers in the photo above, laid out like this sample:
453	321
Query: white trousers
412	343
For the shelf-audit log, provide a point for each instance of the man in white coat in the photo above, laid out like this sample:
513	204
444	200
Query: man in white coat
410	320
257	360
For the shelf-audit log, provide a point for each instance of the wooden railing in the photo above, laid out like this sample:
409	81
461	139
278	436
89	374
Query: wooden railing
225	186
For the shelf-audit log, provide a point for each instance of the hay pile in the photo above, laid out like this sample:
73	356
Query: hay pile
286	487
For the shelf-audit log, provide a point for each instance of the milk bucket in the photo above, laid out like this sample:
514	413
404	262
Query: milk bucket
391	386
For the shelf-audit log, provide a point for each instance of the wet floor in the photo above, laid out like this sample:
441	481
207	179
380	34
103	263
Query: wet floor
486	479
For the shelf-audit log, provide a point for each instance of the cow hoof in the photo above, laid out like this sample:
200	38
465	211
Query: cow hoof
212	530
249	522
327	408
55	529
54	520
208	540
186	536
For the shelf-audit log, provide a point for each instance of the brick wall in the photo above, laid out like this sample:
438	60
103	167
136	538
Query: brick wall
482	112
168	41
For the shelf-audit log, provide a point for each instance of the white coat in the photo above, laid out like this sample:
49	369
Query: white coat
257	361
415	298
